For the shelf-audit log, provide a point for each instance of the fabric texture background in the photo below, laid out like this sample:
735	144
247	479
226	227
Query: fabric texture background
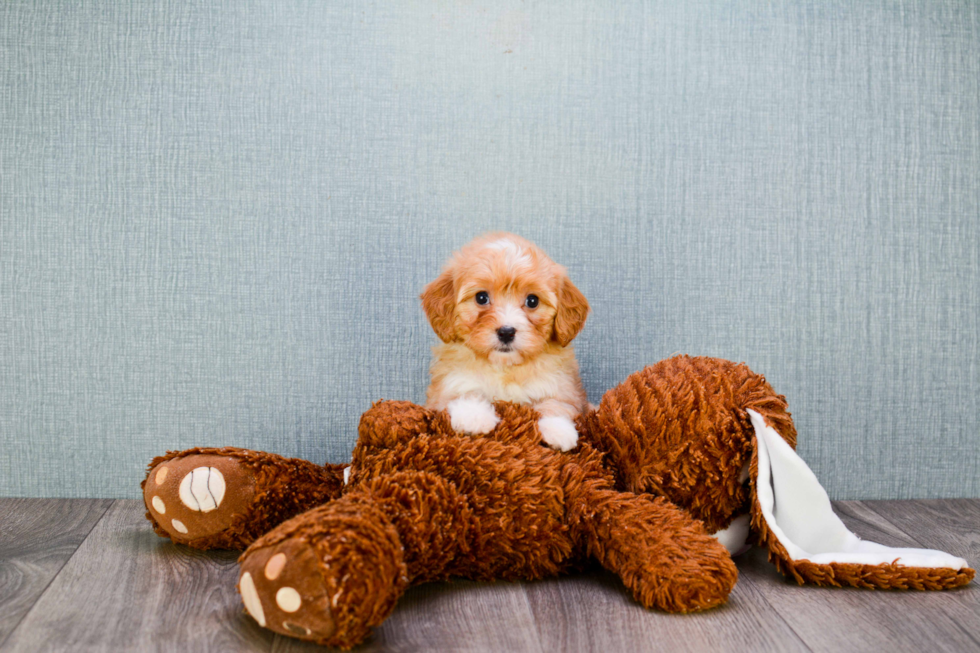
216	217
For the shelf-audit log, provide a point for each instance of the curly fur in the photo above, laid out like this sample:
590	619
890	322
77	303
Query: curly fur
658	467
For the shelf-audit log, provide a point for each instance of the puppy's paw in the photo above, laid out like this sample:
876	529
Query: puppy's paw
475	416
558	432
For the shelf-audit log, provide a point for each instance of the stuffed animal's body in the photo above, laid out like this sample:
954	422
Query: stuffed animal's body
675	453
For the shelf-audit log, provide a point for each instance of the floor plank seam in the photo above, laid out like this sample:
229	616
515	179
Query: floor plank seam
917	541
774	612
20	621
589	618
922	544
534	620
967	633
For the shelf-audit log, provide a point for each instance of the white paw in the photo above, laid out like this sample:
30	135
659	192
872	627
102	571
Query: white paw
558	432
475	416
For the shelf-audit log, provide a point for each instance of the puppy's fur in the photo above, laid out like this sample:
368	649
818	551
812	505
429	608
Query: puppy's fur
477	363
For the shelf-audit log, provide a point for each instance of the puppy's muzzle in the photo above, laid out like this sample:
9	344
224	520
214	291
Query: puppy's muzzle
506	334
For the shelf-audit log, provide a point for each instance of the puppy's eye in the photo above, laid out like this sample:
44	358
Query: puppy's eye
482	298
531	301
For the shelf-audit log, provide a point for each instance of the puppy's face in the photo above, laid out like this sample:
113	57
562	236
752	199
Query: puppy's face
504	299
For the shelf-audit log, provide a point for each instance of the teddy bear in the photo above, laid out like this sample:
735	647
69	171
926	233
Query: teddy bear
675	470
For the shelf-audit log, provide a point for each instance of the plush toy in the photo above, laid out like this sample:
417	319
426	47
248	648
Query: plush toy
672	469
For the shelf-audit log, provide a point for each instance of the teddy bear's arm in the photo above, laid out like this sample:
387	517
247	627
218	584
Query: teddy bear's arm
661	553
389	424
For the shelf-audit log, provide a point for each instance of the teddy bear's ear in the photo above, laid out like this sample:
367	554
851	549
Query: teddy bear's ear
439	303
573	308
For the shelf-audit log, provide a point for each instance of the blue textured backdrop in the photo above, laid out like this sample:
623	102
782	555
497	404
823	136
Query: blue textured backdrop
215	218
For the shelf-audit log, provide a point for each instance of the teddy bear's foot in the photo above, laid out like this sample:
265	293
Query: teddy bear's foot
225	498
334	572
198	496
328	575
283	589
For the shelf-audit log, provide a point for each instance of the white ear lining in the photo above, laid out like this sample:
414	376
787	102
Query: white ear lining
797	511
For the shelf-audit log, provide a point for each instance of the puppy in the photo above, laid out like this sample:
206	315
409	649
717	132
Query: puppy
506	314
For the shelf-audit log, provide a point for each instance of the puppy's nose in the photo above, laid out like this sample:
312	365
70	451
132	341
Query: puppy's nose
506	334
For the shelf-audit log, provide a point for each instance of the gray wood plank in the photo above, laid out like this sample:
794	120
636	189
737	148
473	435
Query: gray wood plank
126	589
595	612
834	619
37	537
454	616
951	525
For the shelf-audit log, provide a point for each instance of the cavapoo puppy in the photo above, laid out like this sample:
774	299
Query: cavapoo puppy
506	314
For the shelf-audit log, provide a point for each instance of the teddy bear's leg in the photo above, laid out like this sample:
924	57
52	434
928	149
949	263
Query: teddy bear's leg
225	498
332	573
661	553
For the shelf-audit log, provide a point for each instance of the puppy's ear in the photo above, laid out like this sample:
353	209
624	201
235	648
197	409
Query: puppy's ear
439	303
573	308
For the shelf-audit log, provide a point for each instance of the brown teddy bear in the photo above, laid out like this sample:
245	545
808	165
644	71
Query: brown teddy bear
684	449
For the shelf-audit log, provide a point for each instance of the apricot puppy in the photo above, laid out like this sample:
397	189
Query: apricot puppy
506	315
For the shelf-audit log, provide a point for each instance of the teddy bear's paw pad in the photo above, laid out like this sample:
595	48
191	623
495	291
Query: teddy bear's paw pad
202	489
199	495
283	590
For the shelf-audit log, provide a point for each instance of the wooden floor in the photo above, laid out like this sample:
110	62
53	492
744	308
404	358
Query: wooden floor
89	575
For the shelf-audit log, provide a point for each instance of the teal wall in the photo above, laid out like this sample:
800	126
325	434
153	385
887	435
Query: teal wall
215	218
